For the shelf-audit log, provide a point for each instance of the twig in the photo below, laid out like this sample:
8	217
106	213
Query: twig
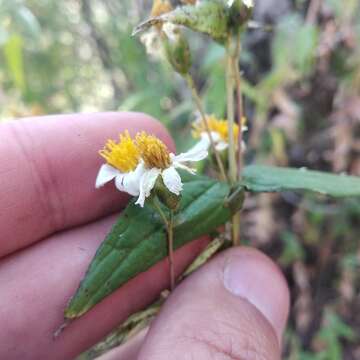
198	103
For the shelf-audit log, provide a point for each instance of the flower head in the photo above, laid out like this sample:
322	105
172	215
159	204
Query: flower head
153	151
219	130
124	155
136	163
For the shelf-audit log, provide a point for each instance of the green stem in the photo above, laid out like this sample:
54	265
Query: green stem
157	207
239	105
169	224
231	116
198	103
171	250
233	171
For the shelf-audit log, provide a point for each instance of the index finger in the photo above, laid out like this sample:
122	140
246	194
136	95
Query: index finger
48	167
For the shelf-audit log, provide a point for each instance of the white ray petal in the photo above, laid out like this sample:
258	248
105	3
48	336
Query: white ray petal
172	180
178	165
147	183
221	145
130	182
243	147
106	174
196	153
202	145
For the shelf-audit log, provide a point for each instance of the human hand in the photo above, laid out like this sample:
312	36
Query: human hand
52	220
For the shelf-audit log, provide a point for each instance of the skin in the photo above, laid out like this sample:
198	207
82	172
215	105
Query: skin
52	220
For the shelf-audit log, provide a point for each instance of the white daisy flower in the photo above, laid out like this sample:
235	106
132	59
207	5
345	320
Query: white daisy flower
219	132
136	164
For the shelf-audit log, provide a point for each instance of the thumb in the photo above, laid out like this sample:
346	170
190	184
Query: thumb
235	307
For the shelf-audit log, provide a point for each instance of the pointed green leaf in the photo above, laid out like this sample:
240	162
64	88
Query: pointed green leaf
138	240
258	178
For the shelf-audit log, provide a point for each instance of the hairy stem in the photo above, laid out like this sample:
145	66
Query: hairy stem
170	237
239	105
171	250
231	118
198	103
233	171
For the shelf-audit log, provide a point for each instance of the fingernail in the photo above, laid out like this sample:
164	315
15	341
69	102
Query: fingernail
252	276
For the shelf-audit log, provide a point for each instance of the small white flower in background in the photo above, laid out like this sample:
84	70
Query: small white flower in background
152	43
219	132
170	31
152	38
136	164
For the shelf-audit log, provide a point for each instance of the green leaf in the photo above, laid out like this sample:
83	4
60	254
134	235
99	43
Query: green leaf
258	178
139	240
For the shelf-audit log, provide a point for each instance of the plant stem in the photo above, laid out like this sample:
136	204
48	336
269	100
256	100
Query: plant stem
170	237
171	250
233	171
231	117
198	103
239	105
157	206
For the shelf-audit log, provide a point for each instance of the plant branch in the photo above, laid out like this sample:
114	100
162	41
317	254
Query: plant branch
198	103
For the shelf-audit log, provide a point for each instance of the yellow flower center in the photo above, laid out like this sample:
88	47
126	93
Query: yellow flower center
153	151
124	155
216	125
160	7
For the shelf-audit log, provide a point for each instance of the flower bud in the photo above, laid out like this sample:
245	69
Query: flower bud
169	199
240	12
177	49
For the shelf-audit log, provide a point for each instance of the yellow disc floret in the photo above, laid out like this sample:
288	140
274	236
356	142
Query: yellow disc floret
216	125
124	155
153	151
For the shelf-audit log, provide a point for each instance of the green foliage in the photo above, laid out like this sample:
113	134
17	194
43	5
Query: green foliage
293	55
292	250
260	178
138	240
13	51
332	333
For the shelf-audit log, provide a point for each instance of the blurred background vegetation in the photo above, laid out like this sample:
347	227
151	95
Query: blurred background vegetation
302	89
